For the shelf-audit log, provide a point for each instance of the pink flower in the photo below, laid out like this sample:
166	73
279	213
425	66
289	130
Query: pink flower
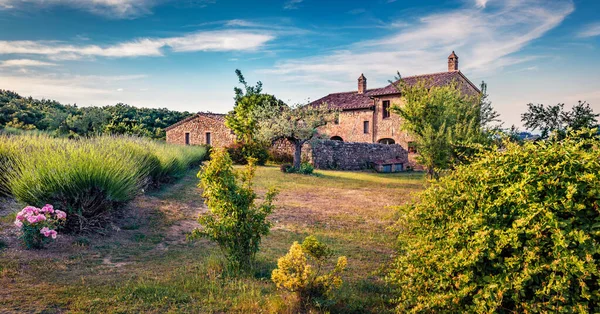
18	223
53	234
30	210
45	231
60	214
48	209
20	216
32	219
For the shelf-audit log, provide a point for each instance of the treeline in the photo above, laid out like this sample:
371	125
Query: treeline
27	113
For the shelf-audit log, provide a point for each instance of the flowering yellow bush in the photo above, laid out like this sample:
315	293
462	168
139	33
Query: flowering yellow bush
295	273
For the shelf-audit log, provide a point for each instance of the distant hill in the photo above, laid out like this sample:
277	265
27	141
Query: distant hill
50	116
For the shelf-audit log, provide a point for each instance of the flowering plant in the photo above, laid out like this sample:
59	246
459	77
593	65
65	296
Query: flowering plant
38	225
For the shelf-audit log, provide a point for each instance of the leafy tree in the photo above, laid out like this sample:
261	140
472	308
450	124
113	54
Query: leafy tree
515	231
243	120
298	125
442	121
301	271
549	119
235	222
488	116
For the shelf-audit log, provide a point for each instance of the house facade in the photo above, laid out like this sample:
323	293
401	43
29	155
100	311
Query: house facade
365	114
201	129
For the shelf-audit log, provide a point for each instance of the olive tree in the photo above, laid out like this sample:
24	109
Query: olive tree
296	124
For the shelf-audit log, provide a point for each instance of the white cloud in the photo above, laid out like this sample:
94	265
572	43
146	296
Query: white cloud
227	40
68	88
484	40
591	30
292	4
25	63
481	3
109	8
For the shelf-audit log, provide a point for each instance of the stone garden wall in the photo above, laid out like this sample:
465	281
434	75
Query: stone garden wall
352	156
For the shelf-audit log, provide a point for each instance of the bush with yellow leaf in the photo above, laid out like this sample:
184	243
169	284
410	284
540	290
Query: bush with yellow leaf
301	271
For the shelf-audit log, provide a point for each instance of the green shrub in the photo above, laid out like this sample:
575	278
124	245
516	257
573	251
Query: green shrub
515	231
305	168
285	168
280	157
235	222
300	269
240	153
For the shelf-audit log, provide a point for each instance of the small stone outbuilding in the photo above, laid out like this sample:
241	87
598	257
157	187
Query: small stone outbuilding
201	129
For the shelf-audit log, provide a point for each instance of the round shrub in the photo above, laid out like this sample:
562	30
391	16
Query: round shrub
241	152
515	231
285	168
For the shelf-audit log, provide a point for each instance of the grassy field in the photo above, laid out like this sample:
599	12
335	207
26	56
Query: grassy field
144	264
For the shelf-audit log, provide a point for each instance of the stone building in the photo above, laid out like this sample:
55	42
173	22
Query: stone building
201	129
365	118
365	113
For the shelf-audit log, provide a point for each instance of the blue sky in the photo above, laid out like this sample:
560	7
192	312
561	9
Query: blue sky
182	54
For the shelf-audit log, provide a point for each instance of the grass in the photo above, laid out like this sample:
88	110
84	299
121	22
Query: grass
146	265
88	178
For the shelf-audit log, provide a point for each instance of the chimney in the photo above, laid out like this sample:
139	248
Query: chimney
452	62
362	84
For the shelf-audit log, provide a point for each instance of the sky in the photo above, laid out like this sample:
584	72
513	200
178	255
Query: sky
182	54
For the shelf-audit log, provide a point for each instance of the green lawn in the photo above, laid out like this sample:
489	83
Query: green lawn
144	263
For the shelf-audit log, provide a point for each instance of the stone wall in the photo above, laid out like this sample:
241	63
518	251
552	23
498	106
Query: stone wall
198	127
352	156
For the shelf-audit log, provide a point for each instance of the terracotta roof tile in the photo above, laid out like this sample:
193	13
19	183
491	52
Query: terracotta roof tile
216	116
347	100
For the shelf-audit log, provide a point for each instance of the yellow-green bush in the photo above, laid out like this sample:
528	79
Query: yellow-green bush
87	178
515	231
300	271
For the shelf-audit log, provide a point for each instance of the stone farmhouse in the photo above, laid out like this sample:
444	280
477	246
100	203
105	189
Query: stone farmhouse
202	128
365	114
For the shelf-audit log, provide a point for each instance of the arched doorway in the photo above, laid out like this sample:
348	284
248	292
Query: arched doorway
387	141
336	138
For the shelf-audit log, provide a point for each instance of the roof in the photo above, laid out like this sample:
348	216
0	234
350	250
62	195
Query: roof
216	116
433	79
347	100
354	100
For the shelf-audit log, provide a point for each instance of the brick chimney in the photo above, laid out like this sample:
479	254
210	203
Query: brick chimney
362	84
452	62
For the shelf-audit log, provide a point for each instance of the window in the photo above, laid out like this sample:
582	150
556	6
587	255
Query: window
336	138
386	109
208	138
366	127
187	138
412	147
387	141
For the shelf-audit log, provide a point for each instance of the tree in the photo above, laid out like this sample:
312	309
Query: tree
243	120
515	231
297	124
442	121
549	119
235	222
488	116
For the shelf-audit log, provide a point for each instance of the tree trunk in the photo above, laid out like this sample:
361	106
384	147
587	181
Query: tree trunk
298	153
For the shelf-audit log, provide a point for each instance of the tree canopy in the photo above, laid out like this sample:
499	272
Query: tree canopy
442	121
549	119
48	115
